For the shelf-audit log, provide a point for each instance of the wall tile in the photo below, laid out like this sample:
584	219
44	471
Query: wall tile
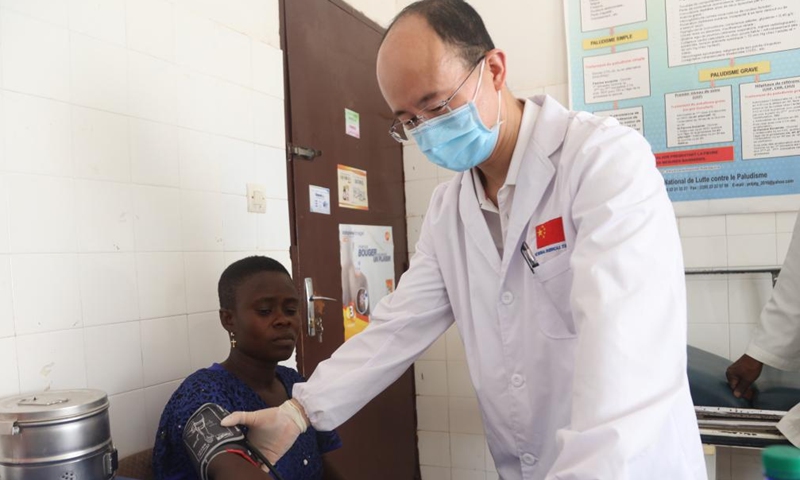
202	274
267	69
200	164
490	467
9	374
463	474
751	224
444	175
165	350
705	252
748	295
154	154
197	101
432	414
434	448
752	250
35	56
434	473
152	88
151	27
741	334
51	11
455	346
270	127
46	296
416	165
235	111
126	414
114	357
271	171
108	288
714	338
51	361
430	377
707	300
4	215
709	226
104	212
239	226
6	295
42	214
37	135
101	145
467	451
418	195
414	229
208	341
783	240
158	218
212	49
785	222
437	351
99	74
465	416
104	20
459	383
201	214
155	398
237	162
560	92
273	228
161	284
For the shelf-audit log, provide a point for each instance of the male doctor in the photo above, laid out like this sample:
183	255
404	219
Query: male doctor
555	251
776	340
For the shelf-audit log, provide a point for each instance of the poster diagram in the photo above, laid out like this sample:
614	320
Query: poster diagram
353	188
714	85
367	258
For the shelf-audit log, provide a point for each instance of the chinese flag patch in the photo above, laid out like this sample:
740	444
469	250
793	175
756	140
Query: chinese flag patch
549	233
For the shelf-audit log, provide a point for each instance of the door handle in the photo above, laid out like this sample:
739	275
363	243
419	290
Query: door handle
314	321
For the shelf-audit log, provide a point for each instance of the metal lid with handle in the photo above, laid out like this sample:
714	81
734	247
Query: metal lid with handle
46	407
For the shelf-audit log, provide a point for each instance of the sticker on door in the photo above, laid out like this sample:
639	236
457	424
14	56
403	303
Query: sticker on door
319	199
353	188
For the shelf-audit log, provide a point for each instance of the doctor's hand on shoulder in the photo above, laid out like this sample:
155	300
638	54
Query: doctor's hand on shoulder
272	431
741	375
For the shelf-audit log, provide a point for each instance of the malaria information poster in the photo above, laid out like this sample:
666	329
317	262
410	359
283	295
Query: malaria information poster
714	86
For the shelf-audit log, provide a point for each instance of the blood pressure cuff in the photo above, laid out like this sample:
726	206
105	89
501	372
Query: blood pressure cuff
205	438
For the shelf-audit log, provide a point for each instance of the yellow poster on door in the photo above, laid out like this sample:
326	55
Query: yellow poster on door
367	260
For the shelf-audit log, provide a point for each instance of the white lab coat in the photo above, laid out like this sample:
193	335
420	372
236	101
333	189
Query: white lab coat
776	341
580	367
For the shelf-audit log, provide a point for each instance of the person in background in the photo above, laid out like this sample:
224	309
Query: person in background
776	341
260	310
555	251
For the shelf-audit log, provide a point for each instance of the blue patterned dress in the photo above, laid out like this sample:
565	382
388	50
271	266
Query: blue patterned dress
216	385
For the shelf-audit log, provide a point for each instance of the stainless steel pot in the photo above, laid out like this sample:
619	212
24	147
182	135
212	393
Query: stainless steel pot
56	435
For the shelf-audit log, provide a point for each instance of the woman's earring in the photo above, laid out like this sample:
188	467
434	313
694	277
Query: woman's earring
233	340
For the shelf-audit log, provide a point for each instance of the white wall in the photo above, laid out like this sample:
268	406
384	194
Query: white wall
128	130
722	310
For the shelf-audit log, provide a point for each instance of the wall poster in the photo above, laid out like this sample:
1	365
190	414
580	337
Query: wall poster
714	86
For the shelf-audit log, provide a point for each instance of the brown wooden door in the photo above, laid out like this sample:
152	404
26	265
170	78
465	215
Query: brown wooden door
331	52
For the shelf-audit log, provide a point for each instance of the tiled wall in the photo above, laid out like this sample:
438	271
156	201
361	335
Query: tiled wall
128	130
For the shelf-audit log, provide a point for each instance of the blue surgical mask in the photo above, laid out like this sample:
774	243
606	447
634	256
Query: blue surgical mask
458	140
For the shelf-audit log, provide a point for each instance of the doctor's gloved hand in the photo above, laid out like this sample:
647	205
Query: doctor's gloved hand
273	431
741	375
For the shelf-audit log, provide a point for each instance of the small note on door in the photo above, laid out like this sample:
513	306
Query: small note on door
352	122
320	199
353	188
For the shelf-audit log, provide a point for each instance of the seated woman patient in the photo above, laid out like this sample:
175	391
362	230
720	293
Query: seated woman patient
260	310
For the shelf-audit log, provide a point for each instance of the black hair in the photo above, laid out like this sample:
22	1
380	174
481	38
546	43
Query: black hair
239	271
456	23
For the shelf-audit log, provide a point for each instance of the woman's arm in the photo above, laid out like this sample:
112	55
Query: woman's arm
230	466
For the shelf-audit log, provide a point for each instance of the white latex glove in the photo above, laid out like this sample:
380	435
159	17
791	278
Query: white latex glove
273	431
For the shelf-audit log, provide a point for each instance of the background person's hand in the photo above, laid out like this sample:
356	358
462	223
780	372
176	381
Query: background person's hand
741	375
272	431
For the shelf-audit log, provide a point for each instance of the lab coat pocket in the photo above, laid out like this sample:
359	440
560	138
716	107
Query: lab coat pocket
555	277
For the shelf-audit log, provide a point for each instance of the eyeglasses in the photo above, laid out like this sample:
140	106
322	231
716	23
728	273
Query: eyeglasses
399	127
